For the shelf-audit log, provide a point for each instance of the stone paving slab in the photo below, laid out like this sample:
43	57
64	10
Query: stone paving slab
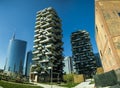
48	86
85	84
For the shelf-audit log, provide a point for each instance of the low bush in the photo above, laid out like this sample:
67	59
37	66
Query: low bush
68	78
105	79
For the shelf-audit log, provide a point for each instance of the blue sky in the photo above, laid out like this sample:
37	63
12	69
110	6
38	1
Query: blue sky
19	16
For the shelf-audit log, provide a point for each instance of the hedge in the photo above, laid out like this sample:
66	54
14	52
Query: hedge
105	79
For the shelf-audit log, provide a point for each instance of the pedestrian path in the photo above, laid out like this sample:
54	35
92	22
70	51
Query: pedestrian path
1	87
85	85
48	86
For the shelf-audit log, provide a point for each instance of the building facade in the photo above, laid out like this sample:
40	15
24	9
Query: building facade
15	57
84	61
28	63
68	68
48	49
107	21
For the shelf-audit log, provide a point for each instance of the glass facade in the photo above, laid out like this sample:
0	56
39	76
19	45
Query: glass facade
16	56
68	68
28	63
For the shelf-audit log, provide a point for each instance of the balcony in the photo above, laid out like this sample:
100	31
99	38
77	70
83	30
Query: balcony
38	18
45	13
36	51
42	36
50	34
37	26
48	53
36	30
35	46
50	8
33	65
48	46
39	48
44	41
44	61
48	19
36	58
50	16
36	40
50	29
36	35
39	55
42	22
34	72
45	25
37	22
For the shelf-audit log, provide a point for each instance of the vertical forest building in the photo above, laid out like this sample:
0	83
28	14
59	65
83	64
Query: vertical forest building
84	61
47	54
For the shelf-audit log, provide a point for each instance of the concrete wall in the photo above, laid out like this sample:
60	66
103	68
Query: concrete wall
107	21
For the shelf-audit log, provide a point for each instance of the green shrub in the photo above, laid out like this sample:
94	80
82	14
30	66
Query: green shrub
68	78
105	79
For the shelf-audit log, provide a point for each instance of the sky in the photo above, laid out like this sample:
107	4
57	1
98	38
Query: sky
18	16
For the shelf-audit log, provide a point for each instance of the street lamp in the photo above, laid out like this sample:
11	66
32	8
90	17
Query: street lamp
58	78
51	75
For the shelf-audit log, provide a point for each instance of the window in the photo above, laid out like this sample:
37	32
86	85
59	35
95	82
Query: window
109	50
102	26
96	29
100	53
119	14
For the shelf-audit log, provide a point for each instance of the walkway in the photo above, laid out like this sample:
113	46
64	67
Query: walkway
85	84
48	86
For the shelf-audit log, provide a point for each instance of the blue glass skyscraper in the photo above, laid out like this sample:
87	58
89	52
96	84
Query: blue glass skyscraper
15	56
28	63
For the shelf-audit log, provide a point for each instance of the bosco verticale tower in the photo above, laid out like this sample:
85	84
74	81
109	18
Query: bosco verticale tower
82	52
47	54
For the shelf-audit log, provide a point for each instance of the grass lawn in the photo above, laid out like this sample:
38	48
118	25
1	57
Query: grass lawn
5	84
69	85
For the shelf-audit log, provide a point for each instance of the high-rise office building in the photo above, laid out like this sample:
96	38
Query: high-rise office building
48	49
98	60
28	63
84	61
15	57
107	21
68	68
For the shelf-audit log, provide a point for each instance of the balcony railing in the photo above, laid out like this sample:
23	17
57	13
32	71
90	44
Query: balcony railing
36	40
36	35
36	51
35	46
35	58
34	65
44	61
37	26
